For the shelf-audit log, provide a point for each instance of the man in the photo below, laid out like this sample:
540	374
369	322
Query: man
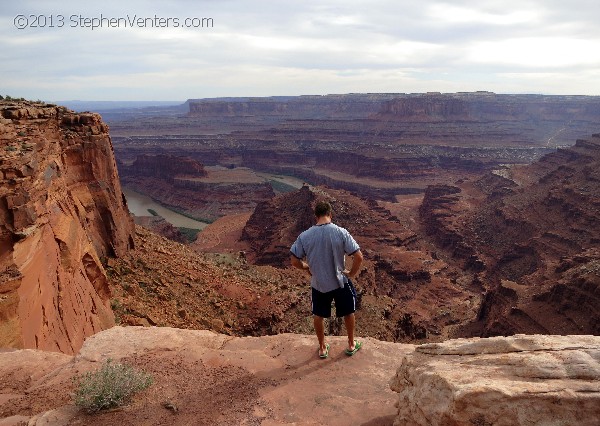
324	246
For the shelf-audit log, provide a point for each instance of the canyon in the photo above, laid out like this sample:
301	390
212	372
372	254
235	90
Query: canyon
376	145
526	238
186	186
533	232
483	257
436	267
476	217
407	293
425	181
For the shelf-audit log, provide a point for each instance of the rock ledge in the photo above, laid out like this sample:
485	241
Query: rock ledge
518	380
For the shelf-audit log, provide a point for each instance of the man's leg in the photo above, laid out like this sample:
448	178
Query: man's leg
320	330
350	323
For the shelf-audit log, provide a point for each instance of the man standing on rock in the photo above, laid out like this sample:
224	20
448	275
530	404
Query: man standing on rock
324	246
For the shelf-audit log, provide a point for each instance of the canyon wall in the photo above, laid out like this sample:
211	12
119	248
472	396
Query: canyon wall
289	107
164	166
379	145
61	214
543	237
425	107
377	166
487	106
531	233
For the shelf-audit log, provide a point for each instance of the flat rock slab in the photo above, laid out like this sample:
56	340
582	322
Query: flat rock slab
204	378
201	377
518	380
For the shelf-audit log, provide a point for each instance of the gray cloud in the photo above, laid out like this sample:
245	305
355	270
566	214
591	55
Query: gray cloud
277	47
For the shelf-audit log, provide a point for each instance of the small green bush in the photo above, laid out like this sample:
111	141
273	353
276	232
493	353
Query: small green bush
111	386
190	234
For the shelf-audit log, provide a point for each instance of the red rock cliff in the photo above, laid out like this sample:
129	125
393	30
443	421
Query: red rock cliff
61	212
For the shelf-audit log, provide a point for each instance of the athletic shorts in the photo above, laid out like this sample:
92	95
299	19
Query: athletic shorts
345	301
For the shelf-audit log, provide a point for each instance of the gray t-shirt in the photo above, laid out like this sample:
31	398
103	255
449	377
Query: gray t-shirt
325	247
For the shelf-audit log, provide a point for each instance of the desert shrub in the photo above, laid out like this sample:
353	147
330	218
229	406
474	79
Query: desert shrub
190	234
118	309
111	386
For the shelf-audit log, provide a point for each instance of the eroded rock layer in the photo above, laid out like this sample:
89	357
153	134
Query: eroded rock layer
377	145
532	232
518	380
61	213
164	166
185	185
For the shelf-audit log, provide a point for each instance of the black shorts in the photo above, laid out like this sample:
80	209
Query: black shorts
345	301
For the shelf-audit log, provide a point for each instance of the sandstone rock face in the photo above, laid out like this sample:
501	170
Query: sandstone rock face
61	212
440	209
518	380
541	238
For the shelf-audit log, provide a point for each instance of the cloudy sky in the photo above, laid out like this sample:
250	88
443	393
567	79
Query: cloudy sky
292	47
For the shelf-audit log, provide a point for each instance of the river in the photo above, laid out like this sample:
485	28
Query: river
140	203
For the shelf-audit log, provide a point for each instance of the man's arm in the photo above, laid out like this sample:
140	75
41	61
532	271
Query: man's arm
357	258
299	264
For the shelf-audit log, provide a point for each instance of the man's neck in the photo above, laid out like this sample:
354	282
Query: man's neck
323	220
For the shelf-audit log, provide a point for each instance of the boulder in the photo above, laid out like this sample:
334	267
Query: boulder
517	380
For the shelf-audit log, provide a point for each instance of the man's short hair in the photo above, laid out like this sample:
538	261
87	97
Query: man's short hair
323	208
